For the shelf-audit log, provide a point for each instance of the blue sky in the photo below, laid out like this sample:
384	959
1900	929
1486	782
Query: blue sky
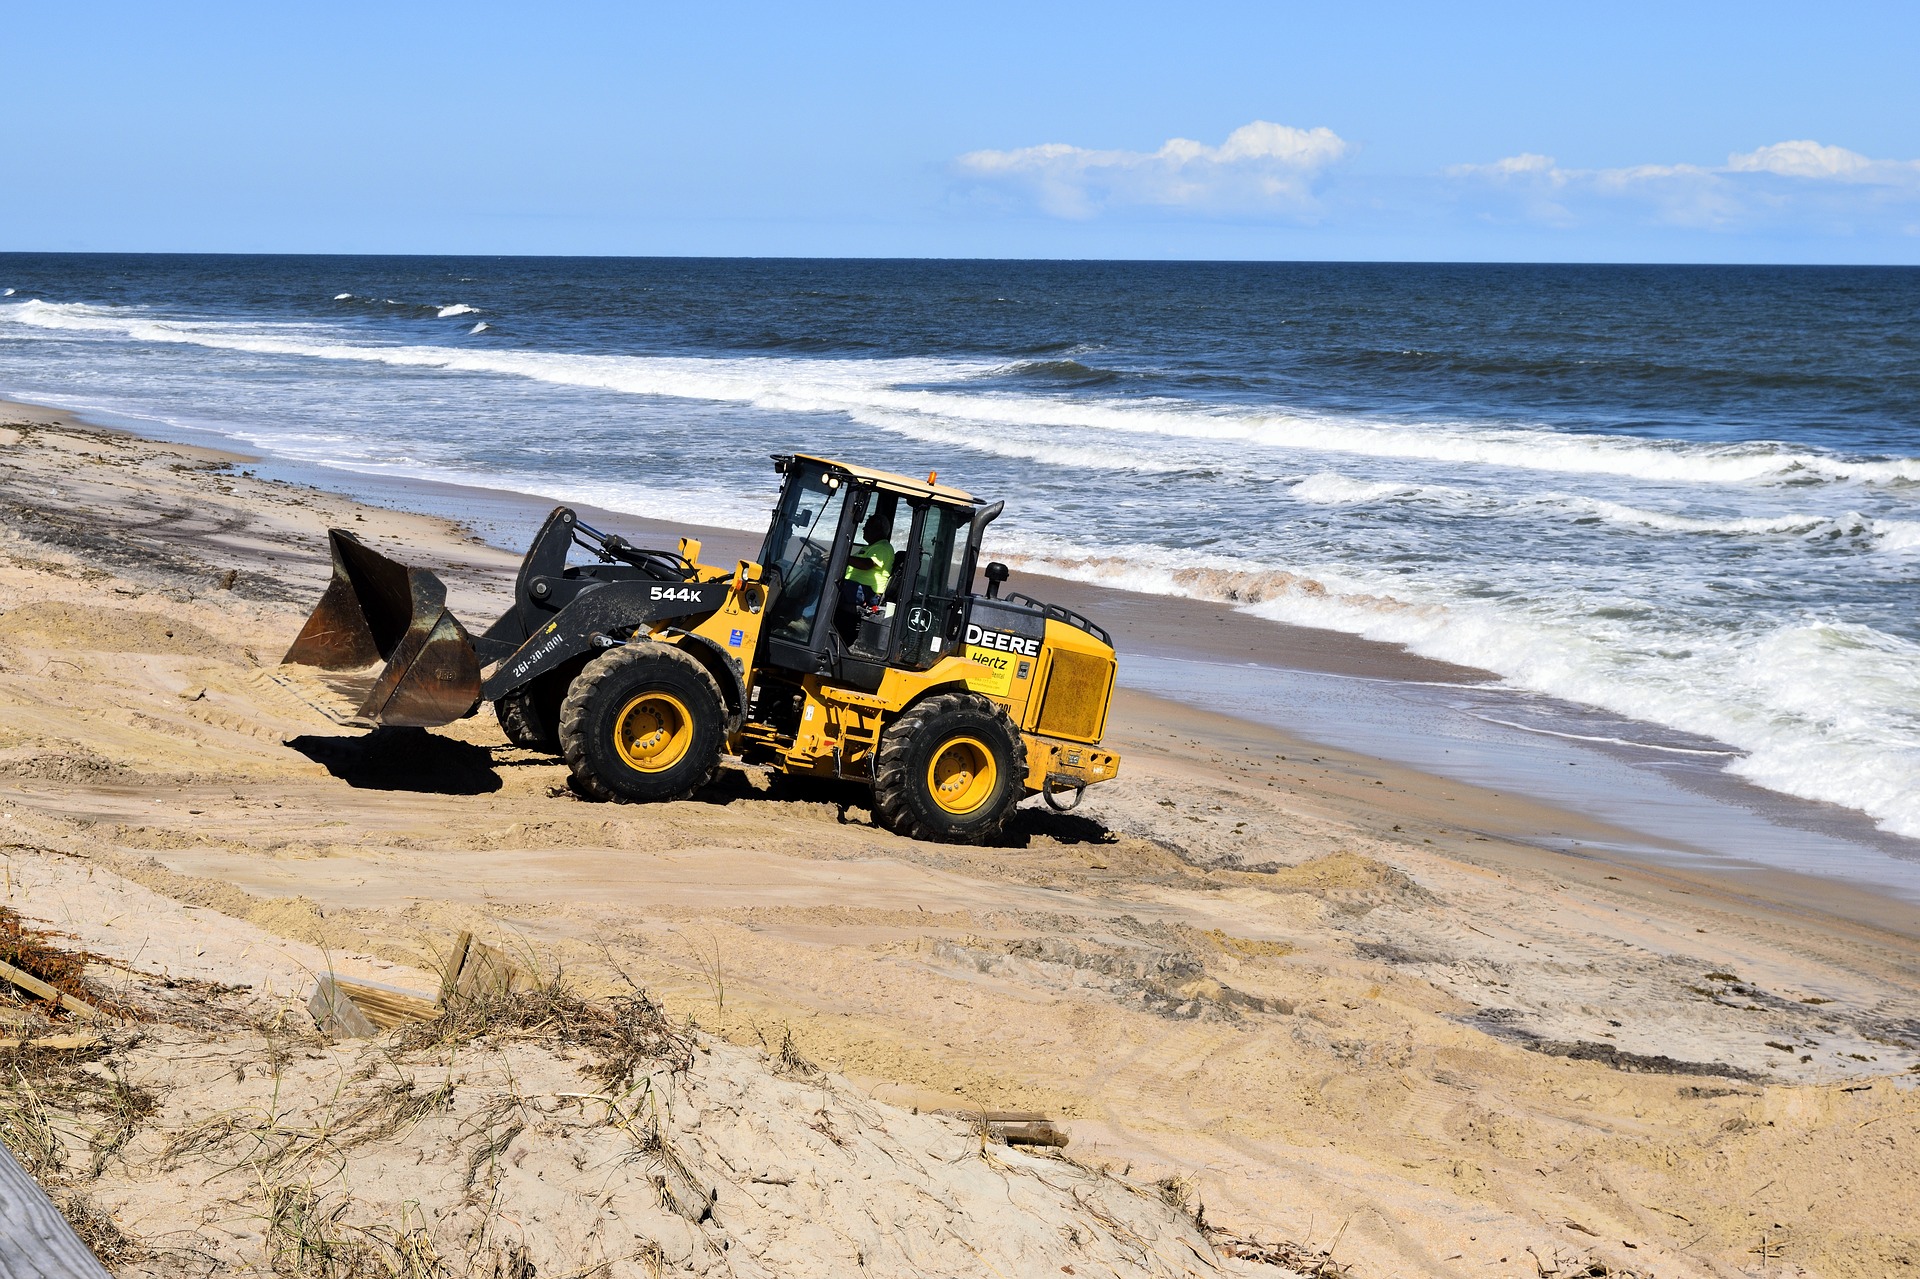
1706	132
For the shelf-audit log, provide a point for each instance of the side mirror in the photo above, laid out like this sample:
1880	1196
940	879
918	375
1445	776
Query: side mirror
997	573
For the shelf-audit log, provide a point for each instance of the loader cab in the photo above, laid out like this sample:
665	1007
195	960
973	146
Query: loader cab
826	514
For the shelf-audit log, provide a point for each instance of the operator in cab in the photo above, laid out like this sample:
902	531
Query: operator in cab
870	568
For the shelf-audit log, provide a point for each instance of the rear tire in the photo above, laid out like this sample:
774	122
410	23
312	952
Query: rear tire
530	715
642	724
950	769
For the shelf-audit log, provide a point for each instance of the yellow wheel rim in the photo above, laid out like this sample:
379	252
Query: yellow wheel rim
653	732
962	776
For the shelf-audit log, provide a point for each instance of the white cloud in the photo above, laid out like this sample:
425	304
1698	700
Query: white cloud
1523	165
1772	182
1260	166
1802	159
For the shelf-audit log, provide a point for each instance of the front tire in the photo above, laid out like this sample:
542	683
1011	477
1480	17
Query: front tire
642	724
950	769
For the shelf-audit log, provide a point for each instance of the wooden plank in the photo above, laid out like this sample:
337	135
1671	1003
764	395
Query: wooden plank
359	1010
455	962
335	1012
83	1039
388	1006
488	971
35	1240
33	985
1031	1135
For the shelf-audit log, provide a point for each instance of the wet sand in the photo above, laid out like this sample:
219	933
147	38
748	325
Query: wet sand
1346	997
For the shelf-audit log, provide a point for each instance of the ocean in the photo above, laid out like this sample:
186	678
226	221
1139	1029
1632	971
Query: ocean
1688	497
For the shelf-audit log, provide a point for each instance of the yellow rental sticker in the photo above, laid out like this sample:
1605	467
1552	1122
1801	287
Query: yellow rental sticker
995	677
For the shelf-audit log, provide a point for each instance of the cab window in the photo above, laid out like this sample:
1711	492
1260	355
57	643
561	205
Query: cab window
799	545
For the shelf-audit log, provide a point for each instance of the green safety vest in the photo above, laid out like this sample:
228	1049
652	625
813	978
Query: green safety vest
874	579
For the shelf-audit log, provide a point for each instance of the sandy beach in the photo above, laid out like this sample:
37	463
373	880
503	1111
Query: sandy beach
1340	1002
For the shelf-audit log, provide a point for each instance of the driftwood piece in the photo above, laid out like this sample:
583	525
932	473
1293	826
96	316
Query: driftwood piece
35	1240
64	1043
1031	1135
34	986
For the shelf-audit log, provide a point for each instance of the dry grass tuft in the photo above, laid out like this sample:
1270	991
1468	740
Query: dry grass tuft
622	1034
788	1061
48	1102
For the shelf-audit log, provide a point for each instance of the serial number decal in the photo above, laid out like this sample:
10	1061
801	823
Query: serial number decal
995	674
528	662
674	593
980	637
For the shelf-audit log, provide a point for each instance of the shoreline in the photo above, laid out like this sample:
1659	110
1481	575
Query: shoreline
1319	986
1326	687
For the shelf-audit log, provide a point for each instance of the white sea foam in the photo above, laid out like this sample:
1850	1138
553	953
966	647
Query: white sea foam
1898	536
1330	488
458	308
481	327
1823	711
871	391
342	297
6	293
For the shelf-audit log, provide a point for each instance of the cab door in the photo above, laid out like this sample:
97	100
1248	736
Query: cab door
933	603
805	557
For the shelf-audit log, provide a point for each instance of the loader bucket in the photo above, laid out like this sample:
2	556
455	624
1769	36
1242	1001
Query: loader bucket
391	651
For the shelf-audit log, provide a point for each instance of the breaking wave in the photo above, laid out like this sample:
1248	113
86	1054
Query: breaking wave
928	399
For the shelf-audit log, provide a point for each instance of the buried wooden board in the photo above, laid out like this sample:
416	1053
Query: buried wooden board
35	1240
476	969
359	1009
1015	1127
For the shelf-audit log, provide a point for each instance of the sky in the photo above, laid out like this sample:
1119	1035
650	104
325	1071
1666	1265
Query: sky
1470	132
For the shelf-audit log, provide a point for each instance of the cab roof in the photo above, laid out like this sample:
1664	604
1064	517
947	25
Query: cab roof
894	483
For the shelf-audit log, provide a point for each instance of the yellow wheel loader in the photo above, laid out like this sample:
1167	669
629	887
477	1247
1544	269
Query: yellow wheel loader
855	648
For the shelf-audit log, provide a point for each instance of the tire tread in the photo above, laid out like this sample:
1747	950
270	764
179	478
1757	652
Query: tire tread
581	695
892	799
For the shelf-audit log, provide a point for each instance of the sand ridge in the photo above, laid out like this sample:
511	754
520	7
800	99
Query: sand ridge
1298	977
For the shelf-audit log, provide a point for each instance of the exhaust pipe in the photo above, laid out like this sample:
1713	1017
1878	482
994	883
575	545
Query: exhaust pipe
395	650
